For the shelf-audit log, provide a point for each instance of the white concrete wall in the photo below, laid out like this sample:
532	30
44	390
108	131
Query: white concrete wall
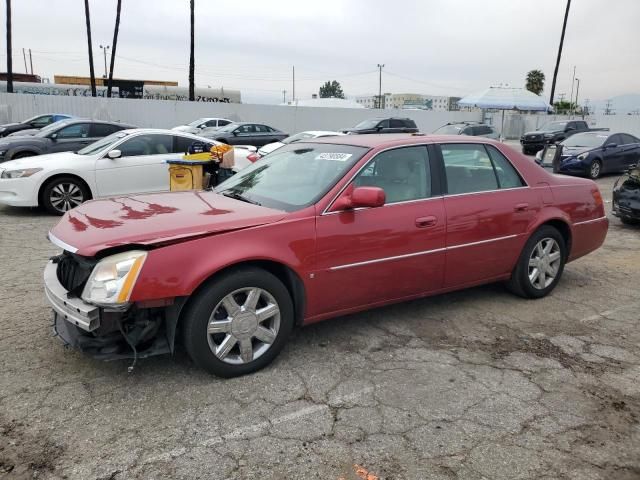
166	114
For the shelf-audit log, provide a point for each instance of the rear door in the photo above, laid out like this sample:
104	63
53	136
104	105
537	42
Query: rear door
372	255
613	155
244	135
141	168
396	125
71	138
488	208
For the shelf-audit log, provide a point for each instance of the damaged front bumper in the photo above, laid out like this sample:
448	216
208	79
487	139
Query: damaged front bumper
110	334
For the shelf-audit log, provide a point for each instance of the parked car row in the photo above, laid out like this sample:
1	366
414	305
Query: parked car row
553	132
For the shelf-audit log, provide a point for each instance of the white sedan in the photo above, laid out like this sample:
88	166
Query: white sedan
298	137
126	162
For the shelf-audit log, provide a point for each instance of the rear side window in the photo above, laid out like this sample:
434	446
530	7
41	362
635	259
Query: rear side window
396	123
103	129
468	131
507	175
627	139
222	123
477	168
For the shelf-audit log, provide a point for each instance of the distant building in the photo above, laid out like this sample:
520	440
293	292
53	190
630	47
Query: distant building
21	77
410	101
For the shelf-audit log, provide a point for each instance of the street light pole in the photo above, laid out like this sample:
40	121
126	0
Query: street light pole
577	91
555	73
380	67
104	50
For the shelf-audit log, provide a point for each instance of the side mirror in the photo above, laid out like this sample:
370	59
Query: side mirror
113	154
379	127
611	145
360	197
235	133
53	136
569	129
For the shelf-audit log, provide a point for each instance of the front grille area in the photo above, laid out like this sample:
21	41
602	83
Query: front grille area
73	271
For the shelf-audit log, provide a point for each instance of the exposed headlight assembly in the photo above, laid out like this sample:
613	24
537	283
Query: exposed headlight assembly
582	156
113	278
25	172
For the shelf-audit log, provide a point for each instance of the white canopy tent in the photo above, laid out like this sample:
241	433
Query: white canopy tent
505	98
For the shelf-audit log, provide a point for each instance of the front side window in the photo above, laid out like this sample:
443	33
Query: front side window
146	145
468	168
384	124
294	176
403	173
77	130
103	144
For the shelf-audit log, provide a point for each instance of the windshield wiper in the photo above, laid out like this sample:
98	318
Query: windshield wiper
238	196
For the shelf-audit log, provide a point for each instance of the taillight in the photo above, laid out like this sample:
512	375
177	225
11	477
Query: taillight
252	157
597	196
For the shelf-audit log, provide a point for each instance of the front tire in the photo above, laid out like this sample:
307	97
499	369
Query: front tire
238	323
540	265
64	193
595	169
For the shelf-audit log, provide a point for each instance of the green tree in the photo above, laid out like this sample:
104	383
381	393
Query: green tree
331	89
563	106
535	81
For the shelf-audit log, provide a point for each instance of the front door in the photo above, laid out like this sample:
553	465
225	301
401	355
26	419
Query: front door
488	209
141	168
244	135
368	256
71	138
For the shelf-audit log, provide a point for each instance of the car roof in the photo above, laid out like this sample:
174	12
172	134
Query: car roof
166	131
377	140
73	120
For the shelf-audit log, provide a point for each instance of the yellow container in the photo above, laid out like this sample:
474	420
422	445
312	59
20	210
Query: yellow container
185	177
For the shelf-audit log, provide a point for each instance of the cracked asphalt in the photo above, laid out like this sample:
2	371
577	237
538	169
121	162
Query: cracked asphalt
476	384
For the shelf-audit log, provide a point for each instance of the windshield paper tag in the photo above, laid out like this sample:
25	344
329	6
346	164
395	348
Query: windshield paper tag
338	157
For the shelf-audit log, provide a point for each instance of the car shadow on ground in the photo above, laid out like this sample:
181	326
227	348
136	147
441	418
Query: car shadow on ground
27	212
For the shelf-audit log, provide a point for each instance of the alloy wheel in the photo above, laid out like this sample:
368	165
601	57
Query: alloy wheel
243	325
595	169
65	196
544	263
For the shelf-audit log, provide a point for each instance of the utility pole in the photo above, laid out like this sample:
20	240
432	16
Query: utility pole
562	95
31	61
24	55
104	51
380	67
573	81
90	48
607	108
555	73
9	54
293	95
577	93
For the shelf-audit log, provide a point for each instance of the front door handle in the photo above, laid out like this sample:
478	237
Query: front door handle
521	207
424	222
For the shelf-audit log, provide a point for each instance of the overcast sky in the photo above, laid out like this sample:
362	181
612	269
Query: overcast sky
440	47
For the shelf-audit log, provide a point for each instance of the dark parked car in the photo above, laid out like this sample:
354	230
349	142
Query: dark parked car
626	197
553	132
63	136
384	125
592	154
37	122
475	129
254	134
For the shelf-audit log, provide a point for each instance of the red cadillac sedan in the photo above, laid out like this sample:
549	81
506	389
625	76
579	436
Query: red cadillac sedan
312	231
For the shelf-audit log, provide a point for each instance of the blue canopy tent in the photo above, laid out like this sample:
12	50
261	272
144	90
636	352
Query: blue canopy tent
505	98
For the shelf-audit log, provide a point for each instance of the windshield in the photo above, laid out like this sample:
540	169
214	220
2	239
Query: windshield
197	122
585	140
367	124
553	127
228	128
102	144
51	128
294	176
297	137
449	130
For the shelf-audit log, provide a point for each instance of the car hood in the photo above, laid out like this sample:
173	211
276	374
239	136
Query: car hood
573	151
538	132
37	160
9	142
155	219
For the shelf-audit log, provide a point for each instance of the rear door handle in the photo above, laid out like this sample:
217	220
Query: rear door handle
424	222
521	207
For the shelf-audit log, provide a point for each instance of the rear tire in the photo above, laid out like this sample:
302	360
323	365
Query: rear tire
630	221
227	334
538	271
64	193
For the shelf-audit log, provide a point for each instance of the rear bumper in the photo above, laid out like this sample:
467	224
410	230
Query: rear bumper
588	236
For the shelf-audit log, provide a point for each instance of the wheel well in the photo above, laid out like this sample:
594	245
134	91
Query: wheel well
24	153
60	175
291	281
564	230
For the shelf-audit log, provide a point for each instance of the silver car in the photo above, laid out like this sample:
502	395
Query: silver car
474	129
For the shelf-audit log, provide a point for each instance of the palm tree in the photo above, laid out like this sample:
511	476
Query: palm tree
192	93
535	81
555	72
91	72
9	59
114	45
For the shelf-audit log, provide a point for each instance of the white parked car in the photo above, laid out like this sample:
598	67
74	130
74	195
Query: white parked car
197	126
126	162
270	147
